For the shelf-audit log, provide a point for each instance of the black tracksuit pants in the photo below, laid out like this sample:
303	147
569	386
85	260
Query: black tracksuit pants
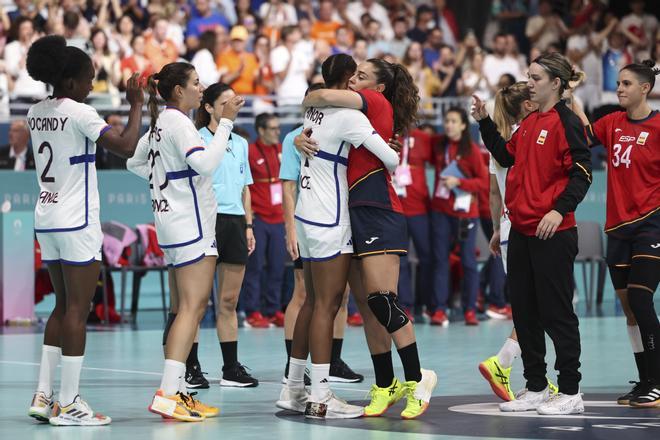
540	279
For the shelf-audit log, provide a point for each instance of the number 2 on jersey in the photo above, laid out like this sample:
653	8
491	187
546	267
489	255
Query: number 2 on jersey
44	175
625	157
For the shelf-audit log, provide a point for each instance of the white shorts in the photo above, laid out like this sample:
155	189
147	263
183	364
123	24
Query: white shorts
192	253
73	247
318	243
505	228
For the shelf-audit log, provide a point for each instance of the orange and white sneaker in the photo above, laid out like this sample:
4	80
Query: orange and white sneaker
174	407
42	406
207	411
77	414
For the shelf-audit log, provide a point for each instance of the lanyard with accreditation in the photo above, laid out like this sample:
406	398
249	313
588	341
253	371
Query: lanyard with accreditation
275	187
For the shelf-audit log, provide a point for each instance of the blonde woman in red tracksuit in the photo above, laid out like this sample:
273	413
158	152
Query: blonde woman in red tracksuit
549	174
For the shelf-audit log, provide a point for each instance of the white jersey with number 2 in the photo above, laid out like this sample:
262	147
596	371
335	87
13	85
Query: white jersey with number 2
64	134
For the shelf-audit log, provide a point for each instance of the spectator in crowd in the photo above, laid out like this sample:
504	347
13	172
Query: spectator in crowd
325	28
425	79
15	58
639	28
444	18
205	58
138	14
121	37
266	191
17	155
360	51
25	8
434	42
106	64
423	22
242	9
206	19
499	62
397	45
159	49
264	83
344	41
276	14
291	68
512	51
614	59
474	80
105	159
306	43
357	9
136	62
400	9
103	12
510	17
57	11
449	72
546	27
239	68
372	35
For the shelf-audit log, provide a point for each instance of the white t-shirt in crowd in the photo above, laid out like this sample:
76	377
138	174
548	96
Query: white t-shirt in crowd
495	67
291	90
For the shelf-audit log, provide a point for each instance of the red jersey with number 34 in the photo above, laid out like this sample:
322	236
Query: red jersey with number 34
633	169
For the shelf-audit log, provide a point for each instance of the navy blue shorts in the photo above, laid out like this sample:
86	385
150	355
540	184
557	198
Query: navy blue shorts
378	231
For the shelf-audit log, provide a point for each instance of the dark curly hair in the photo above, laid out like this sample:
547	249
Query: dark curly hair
51	61
400	91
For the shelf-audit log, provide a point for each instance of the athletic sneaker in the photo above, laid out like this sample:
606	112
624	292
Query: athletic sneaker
207	411
355	320
293	399
174	407
526	400
332	407
77	414
383	398
418	394
439	318
649	397
195	377
236	376
471	318
637	389
554	389
42	406
277	319
256	320
341	372
308	379
562	404
498	378
495	312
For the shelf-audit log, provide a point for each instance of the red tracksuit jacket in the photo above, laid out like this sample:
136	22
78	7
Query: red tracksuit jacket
550	166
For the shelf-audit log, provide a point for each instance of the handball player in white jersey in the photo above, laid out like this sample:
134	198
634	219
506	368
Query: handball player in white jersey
324	231
65	133
179	168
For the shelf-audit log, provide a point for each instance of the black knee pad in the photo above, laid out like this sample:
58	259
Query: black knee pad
645	272
620	276
168	325
641	302
386	308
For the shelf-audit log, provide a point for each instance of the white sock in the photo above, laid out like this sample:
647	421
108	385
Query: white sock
69	387
635	338
320	384
50	357
182	384
509	351
172	374
296	373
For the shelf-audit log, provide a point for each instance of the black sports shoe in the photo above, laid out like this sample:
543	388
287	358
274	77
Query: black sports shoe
308	379
236	376
341	372
648	397
637	388
195	377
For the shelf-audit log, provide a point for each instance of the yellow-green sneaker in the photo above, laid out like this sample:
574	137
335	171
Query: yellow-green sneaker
498	378
418	395
383	398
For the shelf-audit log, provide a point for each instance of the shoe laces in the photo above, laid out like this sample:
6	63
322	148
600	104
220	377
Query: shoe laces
188	399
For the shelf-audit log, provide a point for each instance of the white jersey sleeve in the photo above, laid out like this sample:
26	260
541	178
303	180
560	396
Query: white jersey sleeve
88	121
203	159
358	131
139	163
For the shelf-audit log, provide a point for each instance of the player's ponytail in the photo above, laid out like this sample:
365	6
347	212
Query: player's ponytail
400	90
508	107
152	103
645	71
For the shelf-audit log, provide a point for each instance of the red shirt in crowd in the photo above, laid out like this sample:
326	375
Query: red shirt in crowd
417	200
265	167
633	171
549	166
369	182
472	166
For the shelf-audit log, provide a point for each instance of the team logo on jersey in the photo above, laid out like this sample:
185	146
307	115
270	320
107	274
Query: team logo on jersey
616	130
643	136
371	240
542	135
